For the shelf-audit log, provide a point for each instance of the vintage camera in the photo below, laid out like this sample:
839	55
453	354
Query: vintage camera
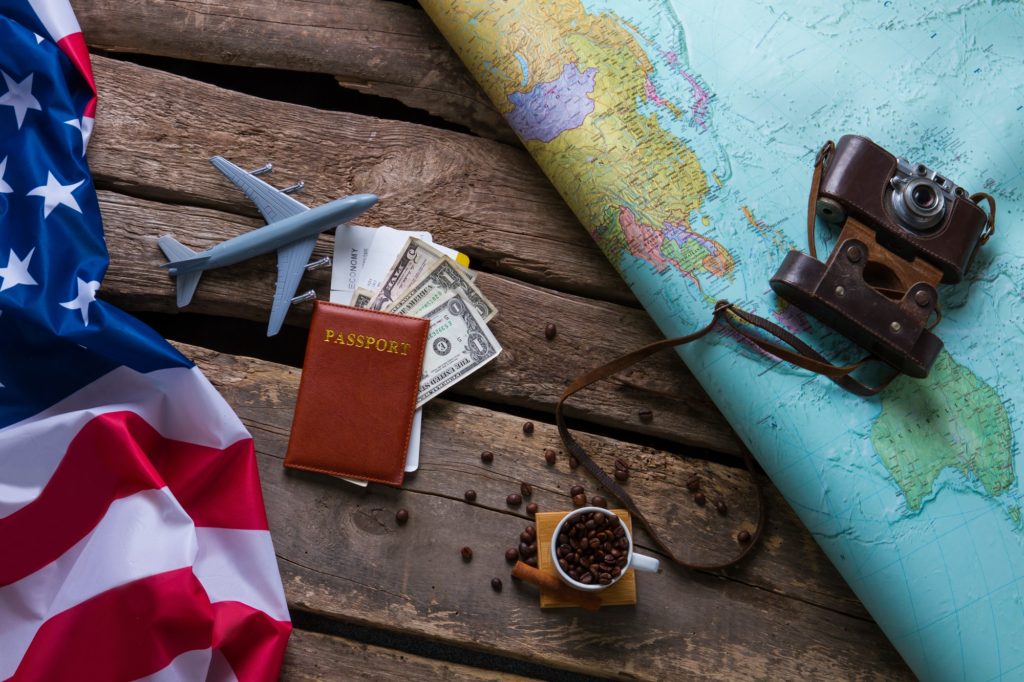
905	229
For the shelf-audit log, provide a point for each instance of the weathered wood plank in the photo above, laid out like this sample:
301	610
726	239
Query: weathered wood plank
487	199
314	656
342	555
375	47
532	371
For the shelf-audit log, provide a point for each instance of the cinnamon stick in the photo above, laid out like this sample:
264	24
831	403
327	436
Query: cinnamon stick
527	573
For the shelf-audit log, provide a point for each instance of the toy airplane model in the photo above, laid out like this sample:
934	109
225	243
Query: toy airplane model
291	230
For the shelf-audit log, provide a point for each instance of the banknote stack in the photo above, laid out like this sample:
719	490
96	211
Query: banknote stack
404	272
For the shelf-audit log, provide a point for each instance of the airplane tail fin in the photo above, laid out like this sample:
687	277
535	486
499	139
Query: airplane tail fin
184	265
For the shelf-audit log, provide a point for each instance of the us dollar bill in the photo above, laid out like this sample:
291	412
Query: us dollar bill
361	298
416	259
458	344
445	278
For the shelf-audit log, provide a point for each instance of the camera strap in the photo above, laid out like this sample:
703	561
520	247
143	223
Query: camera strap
743	323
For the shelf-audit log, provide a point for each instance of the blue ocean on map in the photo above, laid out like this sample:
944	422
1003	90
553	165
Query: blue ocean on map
915	495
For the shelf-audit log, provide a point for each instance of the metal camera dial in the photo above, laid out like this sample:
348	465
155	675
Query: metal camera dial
920	197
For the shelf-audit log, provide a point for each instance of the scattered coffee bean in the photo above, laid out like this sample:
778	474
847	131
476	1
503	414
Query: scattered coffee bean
532	561
496	584
528	428
524	550
467	554
646	416
621	464
576	490
486	456
621	474
526	537
531	509
550	456
693	484
700	499
401	516
579	500
514	500
721	508
573	462
470	495
550	330
511	555
743	537
531	530
598	501
526	489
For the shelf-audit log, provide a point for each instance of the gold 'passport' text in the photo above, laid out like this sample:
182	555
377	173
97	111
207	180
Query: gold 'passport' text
366	342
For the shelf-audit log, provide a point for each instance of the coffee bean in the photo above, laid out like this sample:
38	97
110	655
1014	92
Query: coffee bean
586	578
621	474
646	416
579	500
525	537
700	499
401	516
531	530
721	508
531	509
573	462
486	456
470	495
531	550
621	464
576	490
550	330
467	554
743	537
511	555
693	484
524	549
514	500
528	428
531	561
526	489
550	456
598	501
496	584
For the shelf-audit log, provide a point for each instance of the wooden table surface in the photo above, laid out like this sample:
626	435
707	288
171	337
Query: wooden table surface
365	96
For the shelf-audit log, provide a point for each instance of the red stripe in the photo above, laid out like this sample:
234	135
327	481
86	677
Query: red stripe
124	633
251	641
118	454
139	628
74	47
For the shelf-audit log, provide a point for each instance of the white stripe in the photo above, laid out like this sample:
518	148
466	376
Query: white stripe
140	535
179	403
194	666
188	667
240	565
57	17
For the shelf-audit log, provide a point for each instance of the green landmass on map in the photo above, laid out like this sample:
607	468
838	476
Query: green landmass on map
951	420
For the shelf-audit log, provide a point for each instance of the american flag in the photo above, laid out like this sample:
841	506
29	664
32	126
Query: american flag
133	537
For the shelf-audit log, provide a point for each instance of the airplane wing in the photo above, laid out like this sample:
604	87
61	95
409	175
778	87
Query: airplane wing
273	203
291	265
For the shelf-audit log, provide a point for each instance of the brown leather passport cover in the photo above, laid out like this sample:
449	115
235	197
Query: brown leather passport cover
358	393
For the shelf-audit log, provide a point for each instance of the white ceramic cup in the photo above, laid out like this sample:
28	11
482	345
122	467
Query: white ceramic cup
640	562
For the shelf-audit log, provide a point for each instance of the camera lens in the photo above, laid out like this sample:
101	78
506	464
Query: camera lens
919	204
924	196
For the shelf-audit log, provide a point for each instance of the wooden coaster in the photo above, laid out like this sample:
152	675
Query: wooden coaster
622	592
